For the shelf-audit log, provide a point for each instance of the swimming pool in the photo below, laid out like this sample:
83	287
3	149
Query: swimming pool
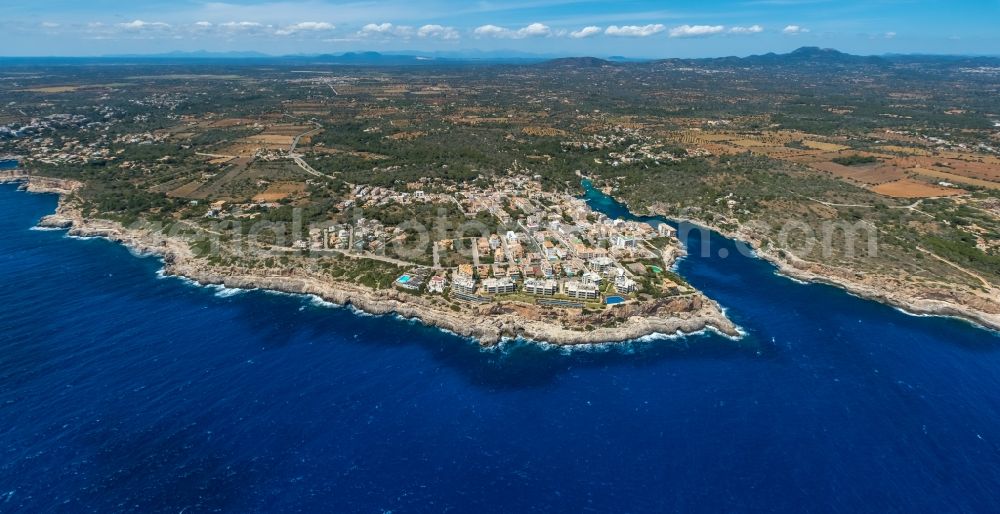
404	279
614	300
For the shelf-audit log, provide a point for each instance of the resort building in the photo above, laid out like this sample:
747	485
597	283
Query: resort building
582	291
499	286
463	284
601	264
589	277
624	242
541	287
625	285
437	284
665	230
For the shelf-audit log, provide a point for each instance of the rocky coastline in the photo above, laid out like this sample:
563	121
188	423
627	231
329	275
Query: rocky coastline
699	314
982	312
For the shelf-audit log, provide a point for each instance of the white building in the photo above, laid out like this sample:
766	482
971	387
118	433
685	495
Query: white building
463	284
624	242
590	277
601	264
499	286
582	291
541	287
625	285
437	284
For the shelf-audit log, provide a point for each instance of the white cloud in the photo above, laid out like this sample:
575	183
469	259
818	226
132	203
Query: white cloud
385	30
143	25
753	29
49	25
305	26
635	30
491	31
533	30
795	29
696	30
890	35
241	25
437	32
585	32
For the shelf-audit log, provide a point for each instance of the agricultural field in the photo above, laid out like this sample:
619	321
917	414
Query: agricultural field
845	142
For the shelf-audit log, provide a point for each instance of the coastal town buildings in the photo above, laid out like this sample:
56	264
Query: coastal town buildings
541	287
495	286
463	284
582	291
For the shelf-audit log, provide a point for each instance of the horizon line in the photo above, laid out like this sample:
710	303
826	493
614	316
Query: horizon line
455	55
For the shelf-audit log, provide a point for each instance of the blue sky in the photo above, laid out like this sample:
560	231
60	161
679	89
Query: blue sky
684	28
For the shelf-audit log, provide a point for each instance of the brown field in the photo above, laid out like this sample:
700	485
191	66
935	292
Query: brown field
826	147
287	130
187	190
230	122
748	143
219	161
958	179
245	149
271	139
53	89
280	191
871	175
905	150
984	168
907	188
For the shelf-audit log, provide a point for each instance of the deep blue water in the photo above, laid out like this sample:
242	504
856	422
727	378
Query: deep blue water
122	391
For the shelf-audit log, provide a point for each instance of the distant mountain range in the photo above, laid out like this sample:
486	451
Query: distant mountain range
805	56
802	57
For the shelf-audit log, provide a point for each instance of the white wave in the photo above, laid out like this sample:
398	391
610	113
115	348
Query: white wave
80	238
222	291
793	279
675	267
359	312
947	316
317	301
629	347
275	292
739	330
138	253
45	229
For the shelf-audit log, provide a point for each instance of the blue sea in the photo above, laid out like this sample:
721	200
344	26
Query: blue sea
121	390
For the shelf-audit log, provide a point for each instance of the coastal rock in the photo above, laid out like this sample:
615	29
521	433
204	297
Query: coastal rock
914	300
497	323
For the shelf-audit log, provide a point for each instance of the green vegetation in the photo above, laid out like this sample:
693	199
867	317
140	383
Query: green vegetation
855	160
